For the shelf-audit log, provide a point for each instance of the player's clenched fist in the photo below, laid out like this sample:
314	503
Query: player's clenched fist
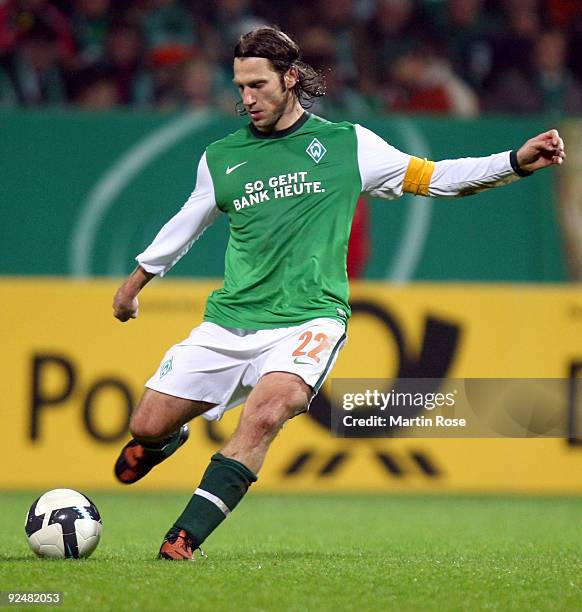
125	306
541	151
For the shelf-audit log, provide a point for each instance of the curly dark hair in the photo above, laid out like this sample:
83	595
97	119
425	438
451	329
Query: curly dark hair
283	52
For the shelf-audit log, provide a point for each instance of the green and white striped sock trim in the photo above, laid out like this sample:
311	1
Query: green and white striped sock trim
214	499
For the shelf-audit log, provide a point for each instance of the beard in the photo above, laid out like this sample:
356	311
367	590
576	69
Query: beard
284	105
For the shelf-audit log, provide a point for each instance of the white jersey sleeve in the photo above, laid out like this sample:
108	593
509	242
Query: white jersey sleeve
387	173
176	237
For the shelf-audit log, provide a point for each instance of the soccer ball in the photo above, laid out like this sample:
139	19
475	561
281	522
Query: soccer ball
63	524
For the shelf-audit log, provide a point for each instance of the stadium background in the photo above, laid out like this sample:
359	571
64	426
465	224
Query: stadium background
106	107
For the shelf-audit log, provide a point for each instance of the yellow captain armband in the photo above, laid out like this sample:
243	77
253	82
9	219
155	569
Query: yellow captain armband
418	175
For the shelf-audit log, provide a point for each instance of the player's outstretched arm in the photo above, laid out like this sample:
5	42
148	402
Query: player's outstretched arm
388	173
541	151
125	303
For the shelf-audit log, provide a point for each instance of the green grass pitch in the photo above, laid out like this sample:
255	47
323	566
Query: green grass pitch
308	552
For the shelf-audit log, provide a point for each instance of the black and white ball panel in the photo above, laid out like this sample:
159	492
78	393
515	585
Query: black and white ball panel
63	523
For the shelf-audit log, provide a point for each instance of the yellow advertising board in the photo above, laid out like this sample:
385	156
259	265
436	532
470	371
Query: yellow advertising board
71	374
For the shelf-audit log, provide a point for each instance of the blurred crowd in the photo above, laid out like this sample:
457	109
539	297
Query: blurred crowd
456	57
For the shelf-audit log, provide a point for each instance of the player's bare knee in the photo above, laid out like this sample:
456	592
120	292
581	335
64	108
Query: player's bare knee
294	401
269	414
298	401
291	395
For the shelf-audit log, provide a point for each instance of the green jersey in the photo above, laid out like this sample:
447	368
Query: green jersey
290	197
290	200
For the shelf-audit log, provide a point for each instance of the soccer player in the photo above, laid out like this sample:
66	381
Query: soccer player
288	182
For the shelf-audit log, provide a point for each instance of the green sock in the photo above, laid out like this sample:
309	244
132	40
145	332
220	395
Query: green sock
223	485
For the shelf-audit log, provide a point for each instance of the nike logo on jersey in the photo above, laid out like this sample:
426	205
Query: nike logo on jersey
229	169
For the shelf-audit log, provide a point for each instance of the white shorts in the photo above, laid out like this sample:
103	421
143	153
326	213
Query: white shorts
221	365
